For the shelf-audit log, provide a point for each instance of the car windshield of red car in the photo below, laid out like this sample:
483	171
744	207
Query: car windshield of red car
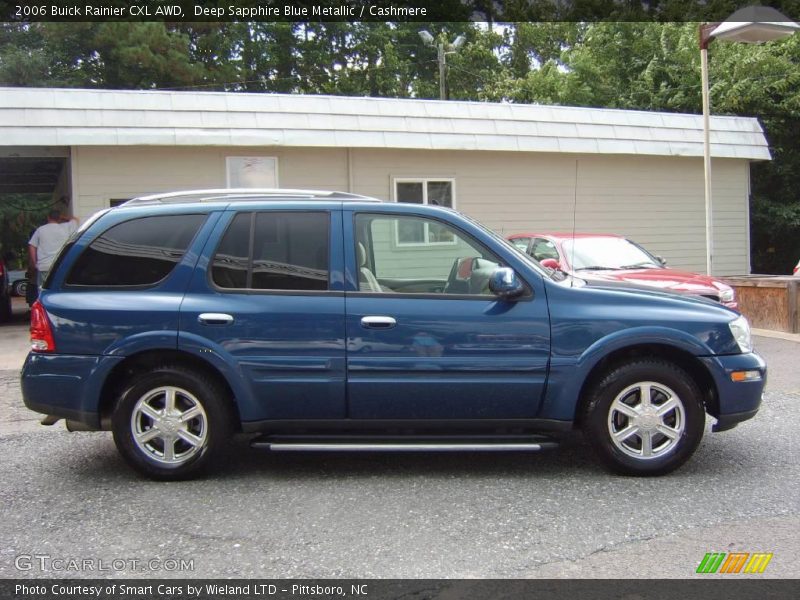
607	253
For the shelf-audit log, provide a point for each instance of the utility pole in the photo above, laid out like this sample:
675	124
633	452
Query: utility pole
442	50
442	57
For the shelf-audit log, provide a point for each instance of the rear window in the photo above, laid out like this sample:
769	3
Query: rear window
137	252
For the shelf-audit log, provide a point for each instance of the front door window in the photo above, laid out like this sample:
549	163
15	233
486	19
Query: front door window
459	266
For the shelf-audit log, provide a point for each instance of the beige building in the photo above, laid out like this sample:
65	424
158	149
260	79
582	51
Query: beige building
514	167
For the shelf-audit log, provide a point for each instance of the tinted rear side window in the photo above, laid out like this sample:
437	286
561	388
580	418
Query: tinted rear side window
137	252
231	262
274	251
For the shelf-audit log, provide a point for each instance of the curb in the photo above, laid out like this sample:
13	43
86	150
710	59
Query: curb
779	335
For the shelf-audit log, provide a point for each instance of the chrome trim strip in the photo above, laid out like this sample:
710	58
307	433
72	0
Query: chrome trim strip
398	447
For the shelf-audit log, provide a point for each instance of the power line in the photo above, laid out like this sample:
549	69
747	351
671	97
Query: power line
299	78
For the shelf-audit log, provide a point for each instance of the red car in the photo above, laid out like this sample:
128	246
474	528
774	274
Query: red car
601	257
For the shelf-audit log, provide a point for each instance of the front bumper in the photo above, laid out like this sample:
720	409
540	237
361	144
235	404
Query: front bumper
66	386
737	401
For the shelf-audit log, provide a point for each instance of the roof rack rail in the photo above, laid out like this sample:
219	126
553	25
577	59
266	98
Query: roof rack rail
236	194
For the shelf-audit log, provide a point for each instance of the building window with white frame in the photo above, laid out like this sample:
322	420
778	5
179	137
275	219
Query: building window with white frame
435	191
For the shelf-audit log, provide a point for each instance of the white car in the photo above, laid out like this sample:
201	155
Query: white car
17	283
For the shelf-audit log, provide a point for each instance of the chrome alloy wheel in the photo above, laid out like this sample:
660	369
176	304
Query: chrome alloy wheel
169	425
646	420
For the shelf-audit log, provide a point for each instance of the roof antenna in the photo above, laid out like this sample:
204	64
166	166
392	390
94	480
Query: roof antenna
574	218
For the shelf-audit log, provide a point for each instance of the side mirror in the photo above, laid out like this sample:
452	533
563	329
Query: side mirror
505	284
551	263
662	260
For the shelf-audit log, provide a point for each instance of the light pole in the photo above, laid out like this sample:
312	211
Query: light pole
750	25
442	50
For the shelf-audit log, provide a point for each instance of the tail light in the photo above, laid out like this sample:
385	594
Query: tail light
41	330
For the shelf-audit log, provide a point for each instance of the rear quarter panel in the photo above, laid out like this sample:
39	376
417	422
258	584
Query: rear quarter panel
120	321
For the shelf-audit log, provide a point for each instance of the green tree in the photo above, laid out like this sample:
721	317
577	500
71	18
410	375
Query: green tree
112	55
20	215
656	66
764	81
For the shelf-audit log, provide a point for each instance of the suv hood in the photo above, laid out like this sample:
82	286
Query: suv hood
612	307
636	287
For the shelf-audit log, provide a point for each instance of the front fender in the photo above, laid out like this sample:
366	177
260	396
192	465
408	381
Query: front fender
644	335
569	373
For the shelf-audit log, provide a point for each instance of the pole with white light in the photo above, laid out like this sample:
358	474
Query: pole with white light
442	50
750	25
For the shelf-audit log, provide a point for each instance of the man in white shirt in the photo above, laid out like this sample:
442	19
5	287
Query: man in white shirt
46	241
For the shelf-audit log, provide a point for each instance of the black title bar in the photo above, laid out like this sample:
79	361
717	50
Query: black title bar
736	587
380	10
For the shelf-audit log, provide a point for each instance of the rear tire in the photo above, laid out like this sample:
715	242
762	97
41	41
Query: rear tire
171	423
645	418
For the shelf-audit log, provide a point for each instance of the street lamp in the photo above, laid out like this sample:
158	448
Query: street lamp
749	25
443	49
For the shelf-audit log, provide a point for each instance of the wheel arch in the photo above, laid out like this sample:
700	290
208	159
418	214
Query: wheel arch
678	356
146	360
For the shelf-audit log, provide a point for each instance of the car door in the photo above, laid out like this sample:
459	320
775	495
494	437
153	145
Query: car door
454	351
266	303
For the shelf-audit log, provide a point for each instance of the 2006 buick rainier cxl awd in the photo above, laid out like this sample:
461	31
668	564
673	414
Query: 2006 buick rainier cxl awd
324	320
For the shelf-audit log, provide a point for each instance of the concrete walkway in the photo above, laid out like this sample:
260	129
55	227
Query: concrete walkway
14	346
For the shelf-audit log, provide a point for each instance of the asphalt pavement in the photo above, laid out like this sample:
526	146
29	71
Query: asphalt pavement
68	497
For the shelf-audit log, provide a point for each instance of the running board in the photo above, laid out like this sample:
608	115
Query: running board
393	444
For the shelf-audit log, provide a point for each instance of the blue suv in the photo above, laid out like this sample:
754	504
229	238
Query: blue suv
324	320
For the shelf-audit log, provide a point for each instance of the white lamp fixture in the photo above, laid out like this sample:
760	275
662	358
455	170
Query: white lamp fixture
426	37
755	24
749	25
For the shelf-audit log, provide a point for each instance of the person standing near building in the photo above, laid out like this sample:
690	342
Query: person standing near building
46	241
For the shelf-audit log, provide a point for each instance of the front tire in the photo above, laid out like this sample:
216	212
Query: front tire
645	417
171	423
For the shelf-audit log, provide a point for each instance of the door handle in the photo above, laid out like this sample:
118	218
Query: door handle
376	322
215	319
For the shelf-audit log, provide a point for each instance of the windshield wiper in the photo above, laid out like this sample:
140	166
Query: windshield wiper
647	264
598	268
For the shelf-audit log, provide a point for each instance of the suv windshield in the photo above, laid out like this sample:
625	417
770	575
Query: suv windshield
608	253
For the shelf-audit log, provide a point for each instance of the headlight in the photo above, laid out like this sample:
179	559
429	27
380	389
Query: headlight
740	329
726	295
726	292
